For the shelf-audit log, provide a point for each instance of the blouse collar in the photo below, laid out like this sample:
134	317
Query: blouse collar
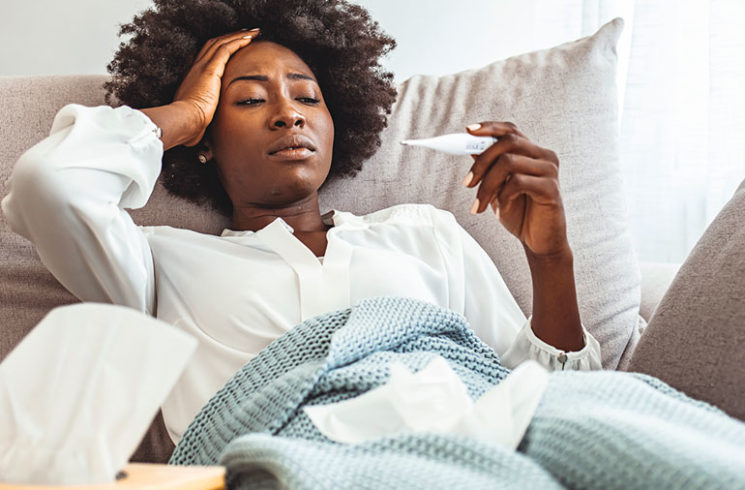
331	218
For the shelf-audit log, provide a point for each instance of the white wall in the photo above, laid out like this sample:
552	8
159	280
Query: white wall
55	37
40	37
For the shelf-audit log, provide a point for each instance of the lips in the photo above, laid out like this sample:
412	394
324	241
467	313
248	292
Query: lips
294	141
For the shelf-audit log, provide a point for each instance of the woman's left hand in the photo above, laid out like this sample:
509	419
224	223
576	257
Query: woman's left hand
521	182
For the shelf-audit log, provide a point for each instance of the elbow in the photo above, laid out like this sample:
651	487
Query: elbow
30	174
35	190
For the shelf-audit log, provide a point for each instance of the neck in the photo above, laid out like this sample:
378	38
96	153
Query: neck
304	216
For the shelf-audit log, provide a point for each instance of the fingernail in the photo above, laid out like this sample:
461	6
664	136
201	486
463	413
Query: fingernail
475	206
468	179
248	37
473	127
255	29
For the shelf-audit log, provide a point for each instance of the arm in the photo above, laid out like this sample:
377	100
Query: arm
176	120
494	314
185	120
520	181
67	195
556	318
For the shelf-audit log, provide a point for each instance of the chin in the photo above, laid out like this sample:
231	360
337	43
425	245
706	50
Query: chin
291	192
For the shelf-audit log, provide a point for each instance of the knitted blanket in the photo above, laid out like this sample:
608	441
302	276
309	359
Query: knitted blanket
591	430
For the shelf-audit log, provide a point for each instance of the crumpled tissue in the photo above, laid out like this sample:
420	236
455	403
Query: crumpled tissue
435	400
80	391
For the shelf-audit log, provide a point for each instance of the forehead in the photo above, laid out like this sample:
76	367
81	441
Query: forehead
264	57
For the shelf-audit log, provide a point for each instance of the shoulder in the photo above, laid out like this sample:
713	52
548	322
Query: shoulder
411	214
122	119
180	234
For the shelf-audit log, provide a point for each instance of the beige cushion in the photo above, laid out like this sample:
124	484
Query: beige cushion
27	106
563	99
656	279
27	290
695	340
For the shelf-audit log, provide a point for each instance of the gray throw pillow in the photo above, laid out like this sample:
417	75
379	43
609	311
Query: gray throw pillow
696	337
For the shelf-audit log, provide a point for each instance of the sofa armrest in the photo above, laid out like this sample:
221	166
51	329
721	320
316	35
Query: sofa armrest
656	279
695	341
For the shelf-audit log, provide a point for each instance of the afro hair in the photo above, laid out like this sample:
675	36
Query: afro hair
336	39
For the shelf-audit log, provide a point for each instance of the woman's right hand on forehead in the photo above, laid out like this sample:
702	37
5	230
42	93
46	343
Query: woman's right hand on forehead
200	89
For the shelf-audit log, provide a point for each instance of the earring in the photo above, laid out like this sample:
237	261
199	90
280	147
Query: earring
202	158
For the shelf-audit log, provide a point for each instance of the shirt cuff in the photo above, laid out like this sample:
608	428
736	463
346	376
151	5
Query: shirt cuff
528	346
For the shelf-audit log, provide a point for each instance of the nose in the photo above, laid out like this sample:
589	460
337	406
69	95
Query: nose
288	116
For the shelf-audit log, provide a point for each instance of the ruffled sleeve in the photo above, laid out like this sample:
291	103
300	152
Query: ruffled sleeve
527	346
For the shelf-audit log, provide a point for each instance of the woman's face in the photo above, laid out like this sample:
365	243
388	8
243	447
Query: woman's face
272	135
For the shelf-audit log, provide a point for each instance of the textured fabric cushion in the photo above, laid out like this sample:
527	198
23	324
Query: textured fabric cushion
27	107
27	290
563	99
656	278
695	340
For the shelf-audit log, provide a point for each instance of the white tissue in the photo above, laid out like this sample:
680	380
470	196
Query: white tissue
80	391
436	400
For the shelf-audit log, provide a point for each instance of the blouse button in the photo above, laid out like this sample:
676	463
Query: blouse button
562	358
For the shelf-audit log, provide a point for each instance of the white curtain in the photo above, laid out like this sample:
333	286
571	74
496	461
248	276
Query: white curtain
682	87
683	120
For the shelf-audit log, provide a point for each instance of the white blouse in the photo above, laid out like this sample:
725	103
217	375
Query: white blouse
238	292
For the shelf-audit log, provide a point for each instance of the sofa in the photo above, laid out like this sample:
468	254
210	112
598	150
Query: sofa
690	334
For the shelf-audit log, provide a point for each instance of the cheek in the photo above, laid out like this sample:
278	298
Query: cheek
328	133
232	137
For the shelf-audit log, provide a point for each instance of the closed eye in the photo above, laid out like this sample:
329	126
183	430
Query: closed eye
249	101
306	100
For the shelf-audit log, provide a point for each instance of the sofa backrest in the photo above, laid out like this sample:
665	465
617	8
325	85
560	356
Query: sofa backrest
563	98
27	107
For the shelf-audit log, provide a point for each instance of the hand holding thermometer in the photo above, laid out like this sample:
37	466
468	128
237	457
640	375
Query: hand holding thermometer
455	144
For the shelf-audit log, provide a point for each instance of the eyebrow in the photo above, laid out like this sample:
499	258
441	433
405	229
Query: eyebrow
264	78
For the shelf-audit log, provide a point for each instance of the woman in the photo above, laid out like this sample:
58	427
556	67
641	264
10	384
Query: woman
254	112
255	122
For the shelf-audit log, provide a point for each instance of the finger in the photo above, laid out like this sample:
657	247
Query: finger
208	45
494	128
223	52
241	36
509	143
505	166
209	48
541	190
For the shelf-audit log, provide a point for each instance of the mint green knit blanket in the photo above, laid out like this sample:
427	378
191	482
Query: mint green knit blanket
601	430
